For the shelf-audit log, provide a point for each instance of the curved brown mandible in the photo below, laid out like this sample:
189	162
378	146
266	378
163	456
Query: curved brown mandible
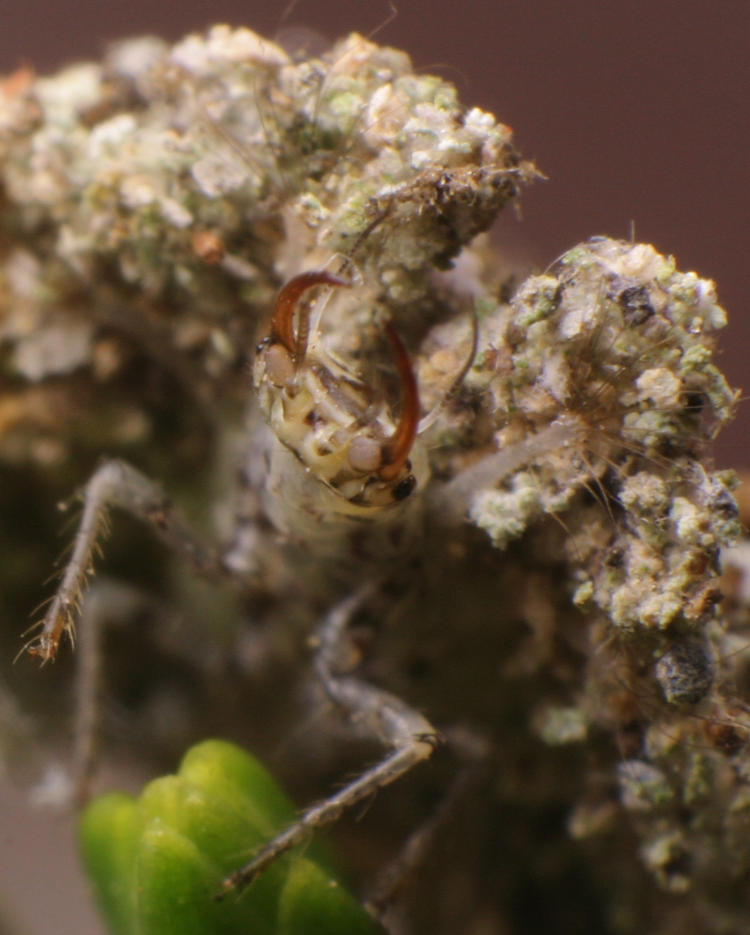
401	442
282	322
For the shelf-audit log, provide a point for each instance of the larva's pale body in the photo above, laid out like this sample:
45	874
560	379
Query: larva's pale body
336	485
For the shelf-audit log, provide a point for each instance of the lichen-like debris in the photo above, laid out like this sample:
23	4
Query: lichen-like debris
618	343
200	176
150	208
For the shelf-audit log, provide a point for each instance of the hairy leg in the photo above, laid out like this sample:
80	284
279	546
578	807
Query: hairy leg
104	604
378	713
385	896
114	484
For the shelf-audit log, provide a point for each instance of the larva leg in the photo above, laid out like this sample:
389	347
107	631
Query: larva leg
410	736
105	602
113	484
391	883
86	721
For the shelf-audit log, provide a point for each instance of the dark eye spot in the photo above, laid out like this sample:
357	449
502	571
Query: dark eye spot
402	490
686	672
695	403
725	504
636	306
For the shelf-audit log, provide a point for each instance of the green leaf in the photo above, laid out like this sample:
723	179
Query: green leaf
239	778
157	863
314	903
175	884
109	832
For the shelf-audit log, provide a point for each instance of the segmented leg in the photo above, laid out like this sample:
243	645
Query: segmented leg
114	484
378	713
88	680
391	882
105	602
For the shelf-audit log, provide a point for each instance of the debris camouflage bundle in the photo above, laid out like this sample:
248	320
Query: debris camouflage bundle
150	208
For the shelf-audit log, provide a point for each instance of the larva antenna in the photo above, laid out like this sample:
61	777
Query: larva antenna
432	415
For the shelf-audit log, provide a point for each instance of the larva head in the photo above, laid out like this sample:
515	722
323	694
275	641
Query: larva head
327	416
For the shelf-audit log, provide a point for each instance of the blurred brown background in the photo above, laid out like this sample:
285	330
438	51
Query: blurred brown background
638	111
